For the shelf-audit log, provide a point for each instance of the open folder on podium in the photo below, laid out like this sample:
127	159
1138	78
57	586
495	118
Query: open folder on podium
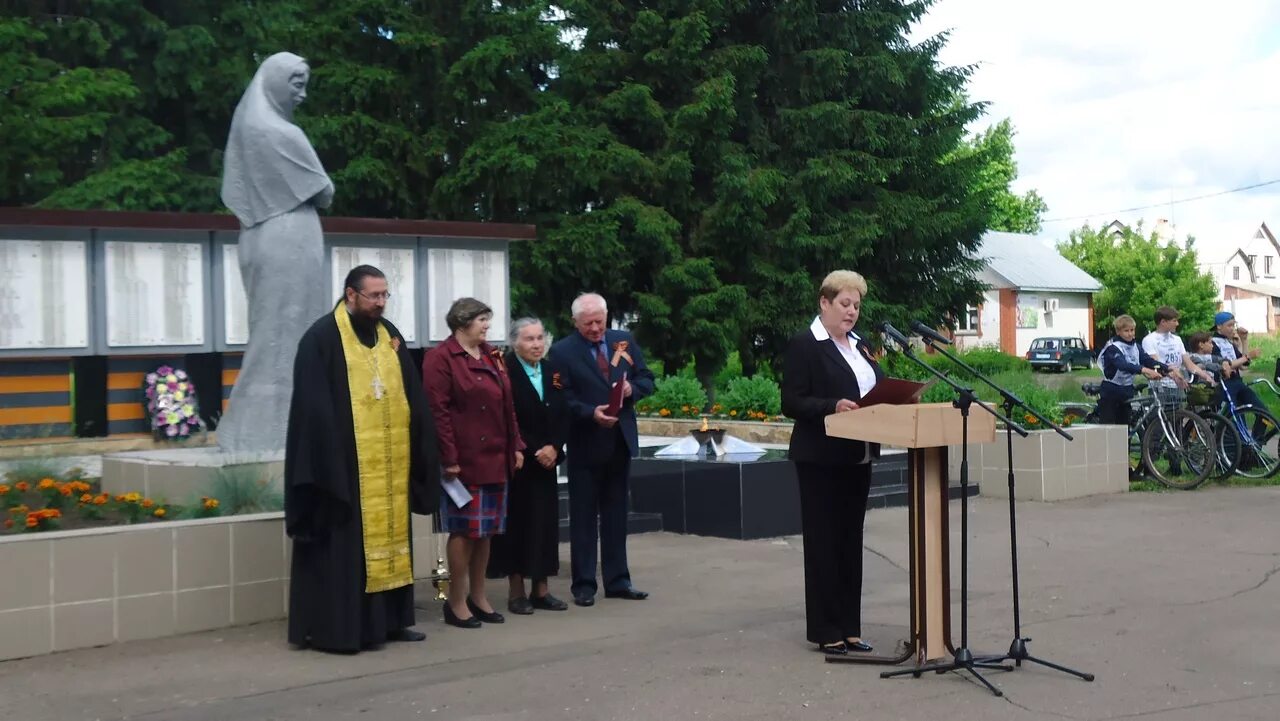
895	392
925	430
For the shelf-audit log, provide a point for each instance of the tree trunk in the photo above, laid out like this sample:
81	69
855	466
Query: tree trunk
748	357
705	370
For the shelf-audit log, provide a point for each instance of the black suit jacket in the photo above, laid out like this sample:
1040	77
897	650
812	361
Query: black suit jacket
816	376
586	388
543	421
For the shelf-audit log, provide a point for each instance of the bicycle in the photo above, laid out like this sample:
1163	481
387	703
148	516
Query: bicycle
1136	410
1227	444
1257	429
1164	437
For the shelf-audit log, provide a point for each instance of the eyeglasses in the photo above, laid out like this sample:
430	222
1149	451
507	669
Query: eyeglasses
384	295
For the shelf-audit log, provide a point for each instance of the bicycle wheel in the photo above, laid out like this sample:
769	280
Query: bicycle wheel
1257	430
1226	445
1137	466
1140	416
1178	450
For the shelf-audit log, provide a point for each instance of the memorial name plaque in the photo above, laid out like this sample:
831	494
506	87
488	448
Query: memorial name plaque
479	274
155	294
398	265
44	293
235	304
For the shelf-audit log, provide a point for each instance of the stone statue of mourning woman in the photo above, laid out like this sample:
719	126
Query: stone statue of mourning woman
273	181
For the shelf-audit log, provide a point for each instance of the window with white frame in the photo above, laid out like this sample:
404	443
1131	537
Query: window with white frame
967	320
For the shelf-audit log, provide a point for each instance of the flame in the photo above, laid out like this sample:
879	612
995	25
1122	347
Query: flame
704	423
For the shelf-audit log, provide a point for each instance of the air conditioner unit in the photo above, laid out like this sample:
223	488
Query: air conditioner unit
1050	305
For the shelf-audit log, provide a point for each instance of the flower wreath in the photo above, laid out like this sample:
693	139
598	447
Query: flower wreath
171	403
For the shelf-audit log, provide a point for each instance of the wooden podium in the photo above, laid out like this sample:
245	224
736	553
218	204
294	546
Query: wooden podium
925	430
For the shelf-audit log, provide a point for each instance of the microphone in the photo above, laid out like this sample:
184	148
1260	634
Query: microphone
931	334
894	335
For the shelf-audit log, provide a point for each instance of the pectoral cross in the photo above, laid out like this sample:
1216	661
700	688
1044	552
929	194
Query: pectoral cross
377	387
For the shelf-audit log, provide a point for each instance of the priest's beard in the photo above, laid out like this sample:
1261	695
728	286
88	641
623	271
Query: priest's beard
365	324
364	319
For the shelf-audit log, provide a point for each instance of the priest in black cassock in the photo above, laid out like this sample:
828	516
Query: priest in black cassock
360	457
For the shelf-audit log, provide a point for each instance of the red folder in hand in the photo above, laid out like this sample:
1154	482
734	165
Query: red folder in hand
615	398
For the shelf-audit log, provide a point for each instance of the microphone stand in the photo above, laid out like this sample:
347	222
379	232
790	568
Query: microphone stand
963	658
1018	648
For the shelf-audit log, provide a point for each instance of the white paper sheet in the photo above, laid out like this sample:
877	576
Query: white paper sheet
457	492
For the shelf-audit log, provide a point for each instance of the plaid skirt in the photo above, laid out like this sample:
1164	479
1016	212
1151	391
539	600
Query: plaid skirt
484	515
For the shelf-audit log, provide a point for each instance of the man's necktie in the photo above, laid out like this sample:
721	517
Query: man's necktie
602	361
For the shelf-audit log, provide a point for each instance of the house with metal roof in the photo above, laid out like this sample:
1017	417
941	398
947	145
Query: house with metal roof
1032	292
1249	281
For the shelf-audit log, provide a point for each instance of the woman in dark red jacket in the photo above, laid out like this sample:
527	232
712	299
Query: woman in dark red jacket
480	446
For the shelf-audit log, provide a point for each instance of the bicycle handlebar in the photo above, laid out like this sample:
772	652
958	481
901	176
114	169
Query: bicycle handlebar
1095	389
1268	384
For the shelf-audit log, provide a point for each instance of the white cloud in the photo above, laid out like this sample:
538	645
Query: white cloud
1133	103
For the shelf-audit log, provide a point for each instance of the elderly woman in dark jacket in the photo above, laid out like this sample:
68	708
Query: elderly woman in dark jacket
480	446
530	547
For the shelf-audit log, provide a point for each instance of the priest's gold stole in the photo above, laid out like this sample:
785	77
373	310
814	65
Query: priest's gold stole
380	411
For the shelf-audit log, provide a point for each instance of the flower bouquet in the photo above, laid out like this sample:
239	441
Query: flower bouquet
171	404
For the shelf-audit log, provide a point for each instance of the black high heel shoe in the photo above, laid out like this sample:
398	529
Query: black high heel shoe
486	616
453	620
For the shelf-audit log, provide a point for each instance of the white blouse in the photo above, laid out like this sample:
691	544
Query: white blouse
861	368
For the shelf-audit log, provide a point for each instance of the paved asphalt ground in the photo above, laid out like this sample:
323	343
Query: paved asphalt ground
1171	599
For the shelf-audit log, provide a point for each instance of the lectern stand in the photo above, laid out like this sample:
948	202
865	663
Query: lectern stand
925	430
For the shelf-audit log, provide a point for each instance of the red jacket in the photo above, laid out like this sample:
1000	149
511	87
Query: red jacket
474	412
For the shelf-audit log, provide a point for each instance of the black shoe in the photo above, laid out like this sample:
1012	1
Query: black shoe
584	600
858	646
406	634
487	617
520	606
548	603
834	649
630	594
452	619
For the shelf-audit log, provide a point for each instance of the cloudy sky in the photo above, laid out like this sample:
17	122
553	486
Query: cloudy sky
1119	104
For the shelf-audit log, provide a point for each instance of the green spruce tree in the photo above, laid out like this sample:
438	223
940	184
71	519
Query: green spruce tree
754	146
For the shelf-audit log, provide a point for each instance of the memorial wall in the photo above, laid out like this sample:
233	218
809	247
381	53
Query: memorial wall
103	295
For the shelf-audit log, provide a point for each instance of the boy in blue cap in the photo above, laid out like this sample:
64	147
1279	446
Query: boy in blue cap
1231	348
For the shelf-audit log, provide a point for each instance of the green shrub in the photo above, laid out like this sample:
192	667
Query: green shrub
732	371
680	396
32	471
688	370
938	393
755	398
1071	393
1043	400
1269	346
243	489
1021	383
898	365
986	360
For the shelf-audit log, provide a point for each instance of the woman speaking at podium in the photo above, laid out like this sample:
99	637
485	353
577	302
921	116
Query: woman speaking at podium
827	369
